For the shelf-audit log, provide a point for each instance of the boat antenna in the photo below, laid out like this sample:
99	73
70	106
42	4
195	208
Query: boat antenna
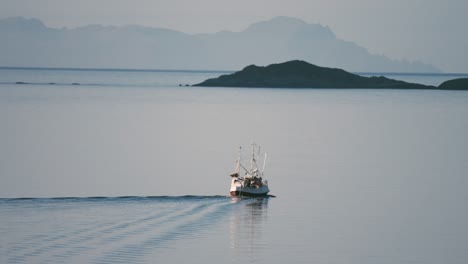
253	156
239	164
238	160
264	162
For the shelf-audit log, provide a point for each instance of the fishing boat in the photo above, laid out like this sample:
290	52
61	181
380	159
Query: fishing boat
252	183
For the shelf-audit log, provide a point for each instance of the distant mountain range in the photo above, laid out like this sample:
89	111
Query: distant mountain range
29	43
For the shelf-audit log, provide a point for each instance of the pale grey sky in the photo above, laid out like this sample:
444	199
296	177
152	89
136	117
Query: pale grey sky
430	31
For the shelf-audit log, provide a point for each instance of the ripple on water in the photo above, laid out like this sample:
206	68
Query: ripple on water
103	229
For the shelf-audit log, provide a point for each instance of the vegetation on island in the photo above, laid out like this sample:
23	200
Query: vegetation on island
301	74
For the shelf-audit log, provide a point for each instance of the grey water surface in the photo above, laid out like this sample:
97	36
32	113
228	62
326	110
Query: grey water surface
129	167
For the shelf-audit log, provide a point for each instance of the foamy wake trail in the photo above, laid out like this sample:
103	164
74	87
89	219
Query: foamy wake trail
103	230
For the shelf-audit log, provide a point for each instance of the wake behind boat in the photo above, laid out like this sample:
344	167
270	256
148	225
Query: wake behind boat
252	183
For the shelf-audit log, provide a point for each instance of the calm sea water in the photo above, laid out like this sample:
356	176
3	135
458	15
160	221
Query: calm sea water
360	176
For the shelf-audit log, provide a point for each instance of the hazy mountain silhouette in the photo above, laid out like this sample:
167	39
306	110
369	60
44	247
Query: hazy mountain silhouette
28	42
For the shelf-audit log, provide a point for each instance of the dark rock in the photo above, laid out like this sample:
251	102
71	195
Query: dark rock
455	84
21	83
300	74
75	84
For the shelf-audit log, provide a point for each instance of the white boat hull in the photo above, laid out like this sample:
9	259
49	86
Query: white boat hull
238	189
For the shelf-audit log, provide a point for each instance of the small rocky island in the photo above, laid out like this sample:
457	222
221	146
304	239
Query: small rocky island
301	74
455	84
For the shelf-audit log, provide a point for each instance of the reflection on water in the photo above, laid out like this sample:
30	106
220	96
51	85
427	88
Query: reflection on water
246	227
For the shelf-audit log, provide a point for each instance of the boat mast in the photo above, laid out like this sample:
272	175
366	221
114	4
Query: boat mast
264	162
238	160
252	162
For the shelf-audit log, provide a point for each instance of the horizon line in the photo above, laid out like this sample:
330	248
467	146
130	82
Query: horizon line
109	69
211	71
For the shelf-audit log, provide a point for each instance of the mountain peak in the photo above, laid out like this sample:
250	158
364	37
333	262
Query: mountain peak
281	23
287	20
288	26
